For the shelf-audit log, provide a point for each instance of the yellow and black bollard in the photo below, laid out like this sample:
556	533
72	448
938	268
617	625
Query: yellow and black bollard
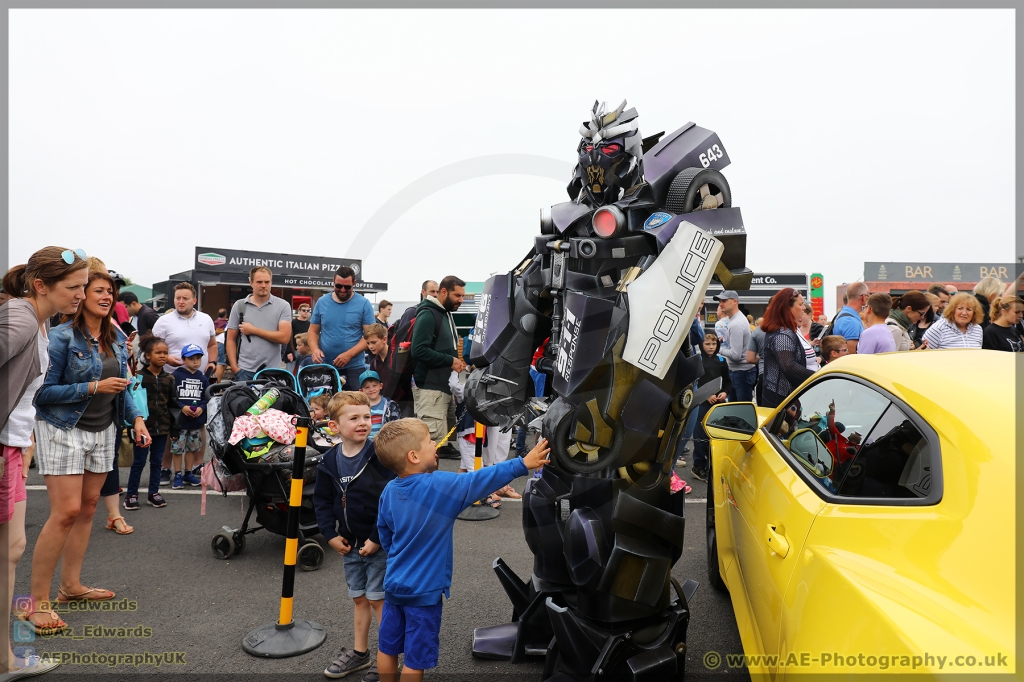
289	637
479	511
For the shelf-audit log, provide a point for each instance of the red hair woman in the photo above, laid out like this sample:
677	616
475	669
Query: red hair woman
785	365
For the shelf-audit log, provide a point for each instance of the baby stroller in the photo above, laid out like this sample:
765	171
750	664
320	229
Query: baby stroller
267	484
276	376
314	380
317	379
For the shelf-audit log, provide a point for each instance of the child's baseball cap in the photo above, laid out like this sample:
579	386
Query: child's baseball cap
368	374
190	350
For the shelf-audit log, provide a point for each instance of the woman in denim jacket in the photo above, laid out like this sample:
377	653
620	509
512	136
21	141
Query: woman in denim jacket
79	411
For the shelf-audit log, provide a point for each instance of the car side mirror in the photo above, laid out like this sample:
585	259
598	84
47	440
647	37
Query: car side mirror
731	421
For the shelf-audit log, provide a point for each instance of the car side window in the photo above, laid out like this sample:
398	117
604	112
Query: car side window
823	428
895	461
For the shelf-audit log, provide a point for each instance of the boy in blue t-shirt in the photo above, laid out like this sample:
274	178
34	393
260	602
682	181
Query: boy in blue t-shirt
187	433
416	523
382	410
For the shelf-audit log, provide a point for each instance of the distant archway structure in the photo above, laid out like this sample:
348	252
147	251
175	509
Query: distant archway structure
446	176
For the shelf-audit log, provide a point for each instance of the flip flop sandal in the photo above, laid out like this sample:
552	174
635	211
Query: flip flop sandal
43	630
509	492
112	524
493	503
30	670
63	597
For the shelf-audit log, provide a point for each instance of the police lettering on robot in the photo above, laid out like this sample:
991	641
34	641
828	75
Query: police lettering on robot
614	279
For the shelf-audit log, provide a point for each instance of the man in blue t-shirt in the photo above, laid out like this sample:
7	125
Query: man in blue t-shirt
337	326
847	322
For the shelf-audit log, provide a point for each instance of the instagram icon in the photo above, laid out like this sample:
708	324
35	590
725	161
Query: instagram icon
22	603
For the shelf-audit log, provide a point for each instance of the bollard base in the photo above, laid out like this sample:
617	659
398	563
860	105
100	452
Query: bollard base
270	641
479	512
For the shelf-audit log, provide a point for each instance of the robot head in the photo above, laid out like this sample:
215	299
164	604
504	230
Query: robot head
610	156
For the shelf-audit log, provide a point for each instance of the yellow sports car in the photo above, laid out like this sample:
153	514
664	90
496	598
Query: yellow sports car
867	524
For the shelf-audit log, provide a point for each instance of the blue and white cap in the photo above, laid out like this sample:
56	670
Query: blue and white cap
190	350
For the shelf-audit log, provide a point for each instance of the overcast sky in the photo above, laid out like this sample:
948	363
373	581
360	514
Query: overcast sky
855	135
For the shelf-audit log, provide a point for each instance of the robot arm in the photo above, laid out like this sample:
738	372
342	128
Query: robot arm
511	324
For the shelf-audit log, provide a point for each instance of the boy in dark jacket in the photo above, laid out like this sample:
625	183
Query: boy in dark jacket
417	525
349	483
714	367
187	433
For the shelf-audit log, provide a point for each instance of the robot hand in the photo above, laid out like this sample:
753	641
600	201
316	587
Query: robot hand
495	399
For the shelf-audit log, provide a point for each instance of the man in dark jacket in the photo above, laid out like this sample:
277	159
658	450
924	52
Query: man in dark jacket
435	352
145	317
428	288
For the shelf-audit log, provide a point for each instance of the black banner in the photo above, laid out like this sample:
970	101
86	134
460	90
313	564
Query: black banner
286	267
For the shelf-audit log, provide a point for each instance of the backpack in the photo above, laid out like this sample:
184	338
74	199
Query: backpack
401	365
830	330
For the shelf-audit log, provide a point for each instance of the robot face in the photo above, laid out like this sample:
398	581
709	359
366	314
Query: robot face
609	156
604	168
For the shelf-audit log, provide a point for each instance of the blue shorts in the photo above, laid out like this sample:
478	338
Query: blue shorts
222	355
411	630
365	574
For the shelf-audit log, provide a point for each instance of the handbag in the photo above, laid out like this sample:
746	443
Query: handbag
139	395
125	450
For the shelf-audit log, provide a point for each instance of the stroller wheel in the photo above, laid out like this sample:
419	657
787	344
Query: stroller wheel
311	556
239	539
223	545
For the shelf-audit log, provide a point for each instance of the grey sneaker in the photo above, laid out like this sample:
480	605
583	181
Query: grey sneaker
347	663
371	674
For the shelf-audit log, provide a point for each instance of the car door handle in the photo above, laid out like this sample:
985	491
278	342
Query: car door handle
776	541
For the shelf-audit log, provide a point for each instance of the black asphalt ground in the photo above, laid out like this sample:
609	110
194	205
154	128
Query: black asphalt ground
194	603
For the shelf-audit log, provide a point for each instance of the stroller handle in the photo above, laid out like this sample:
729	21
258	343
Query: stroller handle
216	389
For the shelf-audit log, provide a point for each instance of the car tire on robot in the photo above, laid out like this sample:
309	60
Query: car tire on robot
698	189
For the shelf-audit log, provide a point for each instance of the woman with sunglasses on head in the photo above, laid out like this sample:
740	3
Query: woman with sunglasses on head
785	361
79	411
51	282
907	311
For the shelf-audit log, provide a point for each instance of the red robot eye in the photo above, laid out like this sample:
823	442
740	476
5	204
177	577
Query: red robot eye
610	149
589	148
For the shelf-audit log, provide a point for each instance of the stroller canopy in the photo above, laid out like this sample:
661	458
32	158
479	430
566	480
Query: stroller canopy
317	379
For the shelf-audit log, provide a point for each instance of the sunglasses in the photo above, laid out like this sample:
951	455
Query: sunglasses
69	255
343	287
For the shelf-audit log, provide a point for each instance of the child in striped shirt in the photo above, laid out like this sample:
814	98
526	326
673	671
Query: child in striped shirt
382	410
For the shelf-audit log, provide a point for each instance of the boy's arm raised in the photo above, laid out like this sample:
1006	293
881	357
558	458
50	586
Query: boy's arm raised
472	486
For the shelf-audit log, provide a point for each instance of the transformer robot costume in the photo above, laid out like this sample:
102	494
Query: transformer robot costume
614	280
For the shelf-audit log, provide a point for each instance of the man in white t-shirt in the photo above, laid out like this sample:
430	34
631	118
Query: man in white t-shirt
179	328
185	325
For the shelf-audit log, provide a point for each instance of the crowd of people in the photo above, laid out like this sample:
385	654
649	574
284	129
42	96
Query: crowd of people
89	367
785	347
93	371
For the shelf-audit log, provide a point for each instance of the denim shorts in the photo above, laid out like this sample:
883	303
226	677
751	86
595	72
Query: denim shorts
365	574
222	355
412	630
